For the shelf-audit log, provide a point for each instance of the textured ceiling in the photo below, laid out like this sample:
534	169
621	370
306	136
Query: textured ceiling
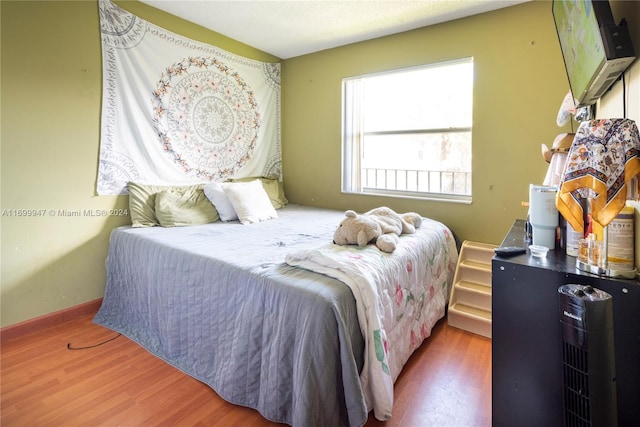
296	27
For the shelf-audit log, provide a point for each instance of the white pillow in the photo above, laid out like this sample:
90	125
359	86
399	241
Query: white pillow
215	193
250	202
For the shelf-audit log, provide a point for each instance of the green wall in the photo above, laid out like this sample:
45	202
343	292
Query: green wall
518	87
50	113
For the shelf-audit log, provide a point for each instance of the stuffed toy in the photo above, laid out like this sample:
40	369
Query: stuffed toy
381	226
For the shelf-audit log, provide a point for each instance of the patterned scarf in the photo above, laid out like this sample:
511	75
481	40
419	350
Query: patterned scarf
602	160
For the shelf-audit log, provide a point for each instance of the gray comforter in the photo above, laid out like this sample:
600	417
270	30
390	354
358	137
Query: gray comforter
217	302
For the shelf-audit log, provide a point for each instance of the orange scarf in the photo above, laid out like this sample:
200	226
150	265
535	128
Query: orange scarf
603	158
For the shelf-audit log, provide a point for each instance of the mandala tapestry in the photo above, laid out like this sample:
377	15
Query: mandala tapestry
177	111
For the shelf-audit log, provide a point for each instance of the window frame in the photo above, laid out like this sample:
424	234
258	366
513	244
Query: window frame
352	183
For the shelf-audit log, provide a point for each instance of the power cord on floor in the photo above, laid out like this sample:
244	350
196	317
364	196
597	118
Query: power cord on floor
69	347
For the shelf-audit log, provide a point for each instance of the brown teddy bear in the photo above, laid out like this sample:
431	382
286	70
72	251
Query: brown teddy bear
381	226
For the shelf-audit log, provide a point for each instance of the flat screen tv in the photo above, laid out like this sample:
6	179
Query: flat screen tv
595	50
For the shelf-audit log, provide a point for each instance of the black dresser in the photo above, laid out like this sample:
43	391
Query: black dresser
527	361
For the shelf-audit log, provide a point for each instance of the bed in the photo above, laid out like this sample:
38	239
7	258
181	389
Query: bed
270	316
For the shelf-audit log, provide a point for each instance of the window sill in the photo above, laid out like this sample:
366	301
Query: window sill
447	198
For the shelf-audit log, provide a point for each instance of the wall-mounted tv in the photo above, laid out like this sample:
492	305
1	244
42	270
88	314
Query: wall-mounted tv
595	50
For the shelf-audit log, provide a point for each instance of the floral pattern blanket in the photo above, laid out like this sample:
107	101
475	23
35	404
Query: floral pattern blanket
399	297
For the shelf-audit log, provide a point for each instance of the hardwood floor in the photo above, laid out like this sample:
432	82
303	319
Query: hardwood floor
447	382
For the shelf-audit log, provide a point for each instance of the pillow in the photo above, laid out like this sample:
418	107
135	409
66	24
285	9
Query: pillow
179	207
250	201
215	193
274	190
142	201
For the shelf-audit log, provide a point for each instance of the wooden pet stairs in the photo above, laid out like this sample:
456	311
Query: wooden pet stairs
470	302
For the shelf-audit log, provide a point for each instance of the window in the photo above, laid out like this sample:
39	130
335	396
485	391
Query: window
408	132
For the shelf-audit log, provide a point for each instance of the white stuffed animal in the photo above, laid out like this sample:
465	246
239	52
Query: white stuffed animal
381	226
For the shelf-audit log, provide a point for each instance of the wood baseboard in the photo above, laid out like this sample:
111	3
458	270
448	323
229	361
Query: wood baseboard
51	319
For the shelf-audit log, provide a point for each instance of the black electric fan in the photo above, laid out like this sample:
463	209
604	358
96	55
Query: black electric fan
588	355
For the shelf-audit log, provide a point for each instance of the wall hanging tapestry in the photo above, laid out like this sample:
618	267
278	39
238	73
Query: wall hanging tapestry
177	111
